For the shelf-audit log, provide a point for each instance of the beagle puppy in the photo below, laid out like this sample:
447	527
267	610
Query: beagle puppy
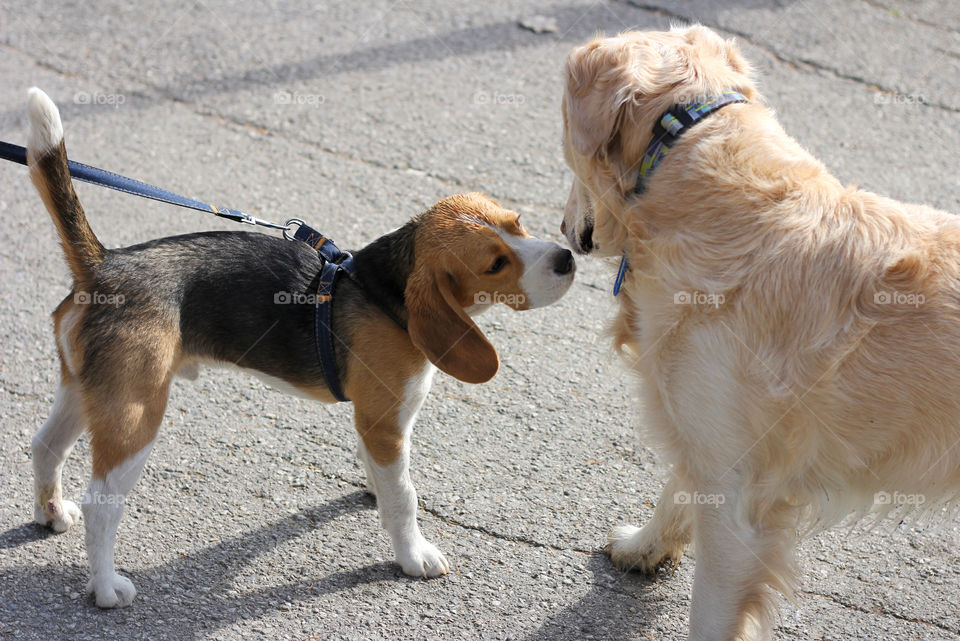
139	315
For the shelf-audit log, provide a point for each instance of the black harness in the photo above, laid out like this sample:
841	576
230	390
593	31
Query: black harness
335	262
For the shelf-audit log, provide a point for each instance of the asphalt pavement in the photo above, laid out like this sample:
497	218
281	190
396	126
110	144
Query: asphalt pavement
250	519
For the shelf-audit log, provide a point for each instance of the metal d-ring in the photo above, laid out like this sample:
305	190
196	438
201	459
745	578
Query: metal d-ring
286	231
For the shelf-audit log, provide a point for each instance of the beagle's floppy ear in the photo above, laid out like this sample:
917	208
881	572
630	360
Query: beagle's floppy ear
601	77
440	328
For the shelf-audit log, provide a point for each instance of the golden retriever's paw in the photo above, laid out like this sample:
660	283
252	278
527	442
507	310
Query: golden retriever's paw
642	549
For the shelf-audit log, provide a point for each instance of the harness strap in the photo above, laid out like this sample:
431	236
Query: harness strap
328	251
324	329
335	262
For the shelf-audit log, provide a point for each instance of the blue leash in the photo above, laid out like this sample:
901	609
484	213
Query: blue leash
621	272
104	178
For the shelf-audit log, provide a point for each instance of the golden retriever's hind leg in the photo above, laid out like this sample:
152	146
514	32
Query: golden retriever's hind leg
50	448
662	540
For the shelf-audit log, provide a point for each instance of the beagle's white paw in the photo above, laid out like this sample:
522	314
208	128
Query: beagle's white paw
59	515
112	590
422	559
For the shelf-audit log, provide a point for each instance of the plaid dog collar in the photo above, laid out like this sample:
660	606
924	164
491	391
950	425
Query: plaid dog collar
668	129
672	124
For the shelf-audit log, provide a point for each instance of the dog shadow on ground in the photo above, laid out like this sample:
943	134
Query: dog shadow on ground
619	605
206	577
23	534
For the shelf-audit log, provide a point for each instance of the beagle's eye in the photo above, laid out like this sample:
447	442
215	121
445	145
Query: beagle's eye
520	225
498	264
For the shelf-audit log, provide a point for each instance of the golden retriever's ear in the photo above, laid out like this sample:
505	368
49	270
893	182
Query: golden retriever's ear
704	36
440	328
601	77
708	40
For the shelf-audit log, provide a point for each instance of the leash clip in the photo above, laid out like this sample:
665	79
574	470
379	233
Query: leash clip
242	217
238	216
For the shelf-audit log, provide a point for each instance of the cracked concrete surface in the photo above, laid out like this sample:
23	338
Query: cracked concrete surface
250	519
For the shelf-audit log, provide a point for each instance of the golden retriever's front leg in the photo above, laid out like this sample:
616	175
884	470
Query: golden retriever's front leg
739	558
662	540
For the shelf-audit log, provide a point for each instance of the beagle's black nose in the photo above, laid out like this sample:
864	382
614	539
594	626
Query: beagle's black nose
563	262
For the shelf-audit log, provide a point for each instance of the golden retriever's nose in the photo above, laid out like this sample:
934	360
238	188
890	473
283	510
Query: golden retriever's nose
586	239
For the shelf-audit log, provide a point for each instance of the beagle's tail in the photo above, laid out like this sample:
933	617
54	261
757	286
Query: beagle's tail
47	158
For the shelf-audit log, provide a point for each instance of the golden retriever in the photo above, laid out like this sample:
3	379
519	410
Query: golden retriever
798	340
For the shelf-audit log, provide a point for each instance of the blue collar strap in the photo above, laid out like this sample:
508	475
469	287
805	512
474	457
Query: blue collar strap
671	125
621	272
335	262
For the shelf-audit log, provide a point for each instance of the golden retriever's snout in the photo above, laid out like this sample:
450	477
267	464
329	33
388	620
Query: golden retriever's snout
577	225
586	239
582	242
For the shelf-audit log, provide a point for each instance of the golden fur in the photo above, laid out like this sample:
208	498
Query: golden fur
798	341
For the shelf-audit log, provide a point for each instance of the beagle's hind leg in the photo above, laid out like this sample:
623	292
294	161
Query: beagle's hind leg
122	437
125	408
50	448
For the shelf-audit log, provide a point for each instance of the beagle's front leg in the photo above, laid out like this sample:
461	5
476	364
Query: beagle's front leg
384	423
